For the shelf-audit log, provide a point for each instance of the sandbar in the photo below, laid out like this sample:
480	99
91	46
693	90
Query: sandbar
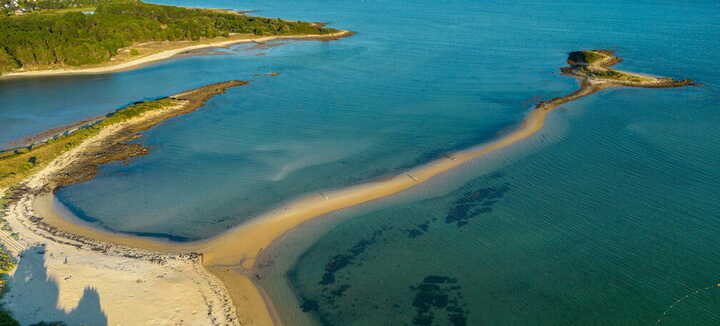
231	256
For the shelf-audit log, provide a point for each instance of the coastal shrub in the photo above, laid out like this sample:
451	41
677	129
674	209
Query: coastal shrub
615	75
592	56
76	39
134	52
7	61
135	110
586	57
18	166
30	163
8	154
64	4
6	319
7	263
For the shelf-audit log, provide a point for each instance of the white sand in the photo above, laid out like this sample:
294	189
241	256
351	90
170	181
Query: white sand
131	291
115	290
230	256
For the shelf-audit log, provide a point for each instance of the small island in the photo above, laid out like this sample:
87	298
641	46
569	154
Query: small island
102	36
594	65
222	270
593	72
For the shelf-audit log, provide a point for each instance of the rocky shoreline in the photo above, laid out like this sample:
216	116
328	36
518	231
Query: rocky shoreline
33	230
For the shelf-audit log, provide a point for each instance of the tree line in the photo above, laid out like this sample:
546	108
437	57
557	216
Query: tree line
76	39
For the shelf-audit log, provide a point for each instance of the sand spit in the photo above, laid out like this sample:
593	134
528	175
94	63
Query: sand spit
231	256
168	54
125	285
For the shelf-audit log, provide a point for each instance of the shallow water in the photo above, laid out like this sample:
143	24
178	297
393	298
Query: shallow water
340	113
609	223
608	226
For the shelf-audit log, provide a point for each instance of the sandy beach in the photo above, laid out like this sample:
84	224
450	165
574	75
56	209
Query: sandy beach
231	256
58	259
167	54
81	282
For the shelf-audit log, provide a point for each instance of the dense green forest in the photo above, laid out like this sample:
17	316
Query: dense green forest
76	39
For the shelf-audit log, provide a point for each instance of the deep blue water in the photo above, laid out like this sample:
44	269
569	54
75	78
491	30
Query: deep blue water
608	223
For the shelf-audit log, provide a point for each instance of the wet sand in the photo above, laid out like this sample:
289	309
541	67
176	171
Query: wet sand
232	256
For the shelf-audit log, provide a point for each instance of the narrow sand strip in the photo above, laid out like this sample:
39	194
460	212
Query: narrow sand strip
231	256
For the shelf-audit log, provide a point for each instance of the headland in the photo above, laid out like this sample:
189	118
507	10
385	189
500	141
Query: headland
161	51
125	34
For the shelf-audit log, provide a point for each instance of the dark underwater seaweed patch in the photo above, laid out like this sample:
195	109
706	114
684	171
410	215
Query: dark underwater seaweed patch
330	289
308	305
474	203
434	294
419	230
341	261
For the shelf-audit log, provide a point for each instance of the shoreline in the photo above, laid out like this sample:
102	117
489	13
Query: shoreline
232	256
166	55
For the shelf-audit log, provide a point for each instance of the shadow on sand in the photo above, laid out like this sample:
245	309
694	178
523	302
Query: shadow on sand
33	296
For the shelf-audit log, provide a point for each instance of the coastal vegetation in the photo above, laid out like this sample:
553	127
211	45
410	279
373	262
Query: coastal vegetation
76	38
239	247
16	165
589	56
594	66
22	7
6	319
7	263
20	163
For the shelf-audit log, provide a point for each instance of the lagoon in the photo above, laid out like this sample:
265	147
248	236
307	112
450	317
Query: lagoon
608	221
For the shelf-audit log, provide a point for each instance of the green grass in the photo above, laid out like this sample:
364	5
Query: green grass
616	75
20	164
7	263
587	57
593	57
65	10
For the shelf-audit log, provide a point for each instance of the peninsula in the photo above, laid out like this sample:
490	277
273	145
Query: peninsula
28	177
124	34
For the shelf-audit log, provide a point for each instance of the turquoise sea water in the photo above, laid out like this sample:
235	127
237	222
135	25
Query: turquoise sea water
607	218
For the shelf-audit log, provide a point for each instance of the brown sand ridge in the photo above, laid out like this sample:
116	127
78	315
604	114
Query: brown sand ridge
231	255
